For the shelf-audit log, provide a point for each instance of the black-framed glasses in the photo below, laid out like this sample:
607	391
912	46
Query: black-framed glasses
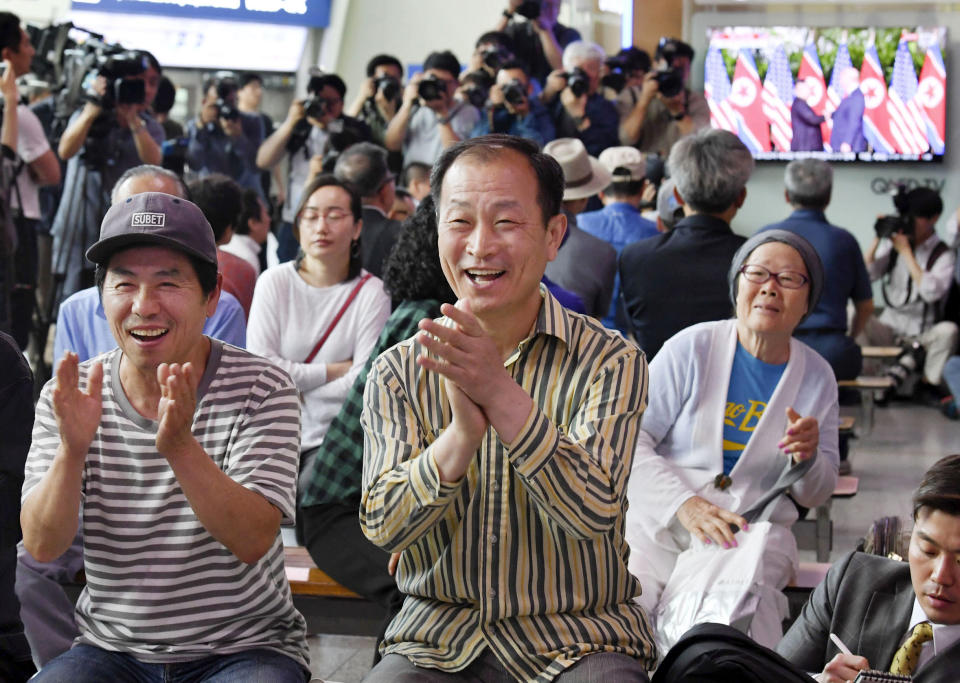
788	279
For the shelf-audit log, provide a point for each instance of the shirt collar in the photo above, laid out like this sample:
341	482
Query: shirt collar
809	213
621	207
552	320
944	635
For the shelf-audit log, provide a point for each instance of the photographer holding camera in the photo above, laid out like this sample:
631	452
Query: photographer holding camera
223	139
431	119
111	133
512	109
916	269
578	109
539	41
314	131
380	96
665	109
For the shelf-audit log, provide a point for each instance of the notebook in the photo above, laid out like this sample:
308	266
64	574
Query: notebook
871	675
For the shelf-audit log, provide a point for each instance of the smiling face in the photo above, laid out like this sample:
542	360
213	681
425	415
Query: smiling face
771	309
493	243
935	565
155	307
327	226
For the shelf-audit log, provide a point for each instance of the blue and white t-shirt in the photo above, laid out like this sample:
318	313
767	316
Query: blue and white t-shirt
752	382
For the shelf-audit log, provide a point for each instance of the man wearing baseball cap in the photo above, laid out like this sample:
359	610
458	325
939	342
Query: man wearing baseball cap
619	221
184	452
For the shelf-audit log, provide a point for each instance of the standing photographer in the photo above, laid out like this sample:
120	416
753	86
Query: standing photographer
315	128
512	109
578	109
111	133
380	96
916	269
224	139
540	40
665	109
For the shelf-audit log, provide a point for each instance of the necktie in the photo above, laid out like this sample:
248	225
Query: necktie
905	661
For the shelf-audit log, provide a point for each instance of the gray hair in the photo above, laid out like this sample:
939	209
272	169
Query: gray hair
809	183
711	168
148	170
364	166
580	51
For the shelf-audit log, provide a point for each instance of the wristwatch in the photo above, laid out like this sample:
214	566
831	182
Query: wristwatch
508	14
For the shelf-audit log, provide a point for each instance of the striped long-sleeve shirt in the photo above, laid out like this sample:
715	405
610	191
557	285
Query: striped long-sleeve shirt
159	586
525	553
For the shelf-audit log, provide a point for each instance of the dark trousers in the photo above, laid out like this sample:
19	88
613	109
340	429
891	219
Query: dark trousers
23	283
841	351
338	547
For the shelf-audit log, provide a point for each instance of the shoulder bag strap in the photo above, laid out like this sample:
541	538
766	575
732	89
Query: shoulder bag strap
336	318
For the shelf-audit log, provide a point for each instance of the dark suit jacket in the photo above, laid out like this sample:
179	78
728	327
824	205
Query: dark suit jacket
867	601
806	128
677	279
377	237
848	123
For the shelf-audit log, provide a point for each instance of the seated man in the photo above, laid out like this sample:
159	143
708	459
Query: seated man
497	444
870	604
809	184
619	222
710	169
184	480
916	270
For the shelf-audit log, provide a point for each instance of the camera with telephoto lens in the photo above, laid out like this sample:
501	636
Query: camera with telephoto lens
529	9
118	69
887	226
431	88
476	87
578	81
389	87
669	81
515	93
495	56
225	110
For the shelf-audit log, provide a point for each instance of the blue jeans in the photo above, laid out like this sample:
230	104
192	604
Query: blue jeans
951	375
89	664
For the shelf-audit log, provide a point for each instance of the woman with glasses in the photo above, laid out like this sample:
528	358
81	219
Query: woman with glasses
733	404
319	316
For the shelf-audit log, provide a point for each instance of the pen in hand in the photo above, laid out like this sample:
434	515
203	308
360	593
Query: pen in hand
839	643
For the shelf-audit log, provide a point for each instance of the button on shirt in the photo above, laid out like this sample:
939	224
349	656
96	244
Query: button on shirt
944	636
523	555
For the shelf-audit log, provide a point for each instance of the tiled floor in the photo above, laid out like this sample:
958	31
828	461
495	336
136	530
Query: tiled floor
906	439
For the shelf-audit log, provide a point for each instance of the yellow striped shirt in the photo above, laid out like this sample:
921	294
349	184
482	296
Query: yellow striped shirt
525	553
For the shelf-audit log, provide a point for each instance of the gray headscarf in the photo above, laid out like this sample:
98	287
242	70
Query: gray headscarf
809	255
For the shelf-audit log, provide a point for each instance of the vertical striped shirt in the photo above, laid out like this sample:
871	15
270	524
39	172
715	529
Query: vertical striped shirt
525	554
159	586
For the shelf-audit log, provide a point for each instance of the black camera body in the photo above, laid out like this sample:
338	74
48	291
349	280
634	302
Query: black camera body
515	93
389	87
315	107
578	81
495	57
529	9
887	226
225	110
118	68
669	82
431	88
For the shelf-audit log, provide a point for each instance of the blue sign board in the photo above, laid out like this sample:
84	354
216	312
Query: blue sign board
314	13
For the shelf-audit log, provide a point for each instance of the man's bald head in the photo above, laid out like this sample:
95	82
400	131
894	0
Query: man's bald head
148	178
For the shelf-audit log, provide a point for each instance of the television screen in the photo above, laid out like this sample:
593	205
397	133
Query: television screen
845	94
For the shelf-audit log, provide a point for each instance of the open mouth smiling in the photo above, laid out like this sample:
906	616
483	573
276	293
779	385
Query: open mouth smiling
149	335
484	274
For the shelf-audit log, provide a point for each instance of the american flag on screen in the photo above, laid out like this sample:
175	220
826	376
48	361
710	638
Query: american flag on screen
716	89
876	117
907	125
745	99
777	98
931	96
834	92
811	71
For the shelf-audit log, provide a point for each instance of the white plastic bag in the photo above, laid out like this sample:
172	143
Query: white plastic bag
739	586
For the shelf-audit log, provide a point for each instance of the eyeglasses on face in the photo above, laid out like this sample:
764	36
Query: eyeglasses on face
331	216
788	279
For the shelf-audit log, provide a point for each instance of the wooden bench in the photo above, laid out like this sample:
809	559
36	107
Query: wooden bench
846	424
866	386
306	579
817	534
883	353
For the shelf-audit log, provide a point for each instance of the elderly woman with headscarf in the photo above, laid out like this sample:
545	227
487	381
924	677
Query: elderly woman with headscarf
733	405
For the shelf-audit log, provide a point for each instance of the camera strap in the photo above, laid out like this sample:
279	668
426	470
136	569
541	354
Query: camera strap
938	250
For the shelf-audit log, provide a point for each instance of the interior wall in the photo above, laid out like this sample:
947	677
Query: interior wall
860	191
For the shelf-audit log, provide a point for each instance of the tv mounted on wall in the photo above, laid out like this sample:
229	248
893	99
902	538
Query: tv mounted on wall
844	94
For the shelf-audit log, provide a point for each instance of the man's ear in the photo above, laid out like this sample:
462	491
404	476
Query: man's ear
742	198
213	299
556	229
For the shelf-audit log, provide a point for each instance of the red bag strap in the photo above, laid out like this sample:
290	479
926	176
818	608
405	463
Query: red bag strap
336	319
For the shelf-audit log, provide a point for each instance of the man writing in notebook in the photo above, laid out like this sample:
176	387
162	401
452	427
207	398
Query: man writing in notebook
900	617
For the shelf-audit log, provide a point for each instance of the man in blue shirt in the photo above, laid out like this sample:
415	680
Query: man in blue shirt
808	186
512	109
619	221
